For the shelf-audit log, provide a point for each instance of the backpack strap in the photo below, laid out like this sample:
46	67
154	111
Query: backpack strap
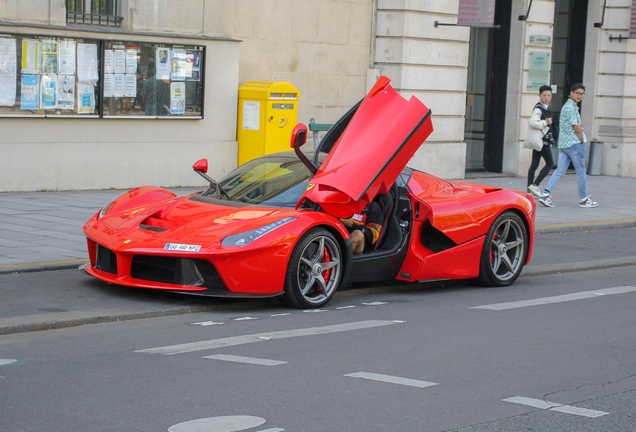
544	112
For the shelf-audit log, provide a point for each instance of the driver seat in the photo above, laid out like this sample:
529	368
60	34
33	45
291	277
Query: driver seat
386	201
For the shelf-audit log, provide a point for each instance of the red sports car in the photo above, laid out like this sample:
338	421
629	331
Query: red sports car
272	227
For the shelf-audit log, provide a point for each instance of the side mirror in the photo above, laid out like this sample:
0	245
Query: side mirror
298	136
201	166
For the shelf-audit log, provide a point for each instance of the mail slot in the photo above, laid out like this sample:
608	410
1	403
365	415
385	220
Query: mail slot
267	114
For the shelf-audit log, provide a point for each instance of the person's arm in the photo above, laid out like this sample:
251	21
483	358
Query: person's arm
570	119
348	223
535	120
578	131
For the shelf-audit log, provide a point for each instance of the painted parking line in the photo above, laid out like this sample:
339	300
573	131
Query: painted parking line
248	360
392	379
7	361
260	337
552	406
557	299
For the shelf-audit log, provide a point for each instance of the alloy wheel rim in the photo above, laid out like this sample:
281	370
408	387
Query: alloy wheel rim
319	269
507	249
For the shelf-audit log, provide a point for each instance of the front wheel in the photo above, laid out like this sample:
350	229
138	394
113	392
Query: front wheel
505	250
314	271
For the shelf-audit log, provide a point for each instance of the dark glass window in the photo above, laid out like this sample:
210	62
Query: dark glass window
98	12
146	79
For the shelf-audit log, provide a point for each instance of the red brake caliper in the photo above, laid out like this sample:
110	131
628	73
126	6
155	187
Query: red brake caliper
326	258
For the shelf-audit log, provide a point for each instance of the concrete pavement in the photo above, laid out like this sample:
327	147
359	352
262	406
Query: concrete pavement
43	231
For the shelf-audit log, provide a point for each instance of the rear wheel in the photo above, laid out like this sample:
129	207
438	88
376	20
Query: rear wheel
505	250
314	271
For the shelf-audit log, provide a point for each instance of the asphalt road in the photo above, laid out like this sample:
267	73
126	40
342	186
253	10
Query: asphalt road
45	300
552	352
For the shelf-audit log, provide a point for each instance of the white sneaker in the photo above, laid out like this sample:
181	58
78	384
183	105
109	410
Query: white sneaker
535	191
546	200
587	202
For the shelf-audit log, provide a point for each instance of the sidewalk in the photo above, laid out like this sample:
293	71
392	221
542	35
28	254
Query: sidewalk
43	230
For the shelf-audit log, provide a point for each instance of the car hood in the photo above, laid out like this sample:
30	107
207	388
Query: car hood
186	218
383	135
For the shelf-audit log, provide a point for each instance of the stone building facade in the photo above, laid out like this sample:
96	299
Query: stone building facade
480	82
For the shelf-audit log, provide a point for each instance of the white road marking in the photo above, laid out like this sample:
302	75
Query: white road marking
535	403
281	314
392	379
248	360
207	323
375	303
7	361
218	424
557	299
284	334
579	411
345	307
314	310
247	318
552	406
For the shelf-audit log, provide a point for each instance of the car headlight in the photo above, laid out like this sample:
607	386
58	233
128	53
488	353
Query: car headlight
104	210
248	237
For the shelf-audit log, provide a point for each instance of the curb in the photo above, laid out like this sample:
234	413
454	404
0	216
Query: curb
585	226
60	320
43	266
550	269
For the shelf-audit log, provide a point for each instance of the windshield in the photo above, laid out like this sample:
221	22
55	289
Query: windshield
277	181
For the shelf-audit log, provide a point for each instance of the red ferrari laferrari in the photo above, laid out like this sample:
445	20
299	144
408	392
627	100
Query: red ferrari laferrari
273	226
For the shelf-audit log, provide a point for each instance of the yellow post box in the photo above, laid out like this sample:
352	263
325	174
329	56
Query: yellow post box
267	114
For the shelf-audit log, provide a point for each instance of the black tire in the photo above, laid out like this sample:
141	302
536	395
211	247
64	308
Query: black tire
314	271
504	252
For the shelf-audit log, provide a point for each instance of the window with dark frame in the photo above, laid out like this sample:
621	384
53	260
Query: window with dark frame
48	76
96	12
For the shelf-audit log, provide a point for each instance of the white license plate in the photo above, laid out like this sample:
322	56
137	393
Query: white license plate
182	247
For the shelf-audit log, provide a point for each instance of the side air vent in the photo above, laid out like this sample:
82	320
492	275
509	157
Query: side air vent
434	239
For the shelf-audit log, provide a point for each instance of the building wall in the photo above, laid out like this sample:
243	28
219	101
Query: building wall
331	50
322	47
34	11
429	62
615	91
85	153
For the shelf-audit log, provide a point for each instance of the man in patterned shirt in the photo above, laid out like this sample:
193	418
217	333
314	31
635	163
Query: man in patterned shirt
365	228
571	149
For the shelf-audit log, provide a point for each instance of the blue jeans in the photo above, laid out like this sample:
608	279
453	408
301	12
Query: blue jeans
576	155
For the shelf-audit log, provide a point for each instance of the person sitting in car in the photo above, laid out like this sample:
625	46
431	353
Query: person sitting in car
365	227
